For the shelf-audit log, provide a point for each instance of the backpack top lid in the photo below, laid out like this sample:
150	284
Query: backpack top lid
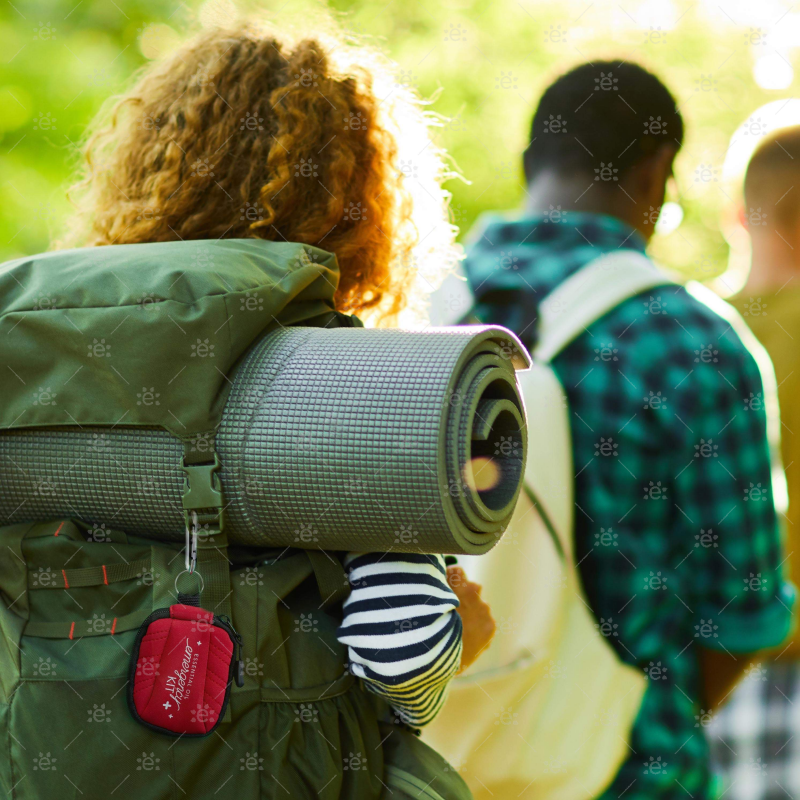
146	334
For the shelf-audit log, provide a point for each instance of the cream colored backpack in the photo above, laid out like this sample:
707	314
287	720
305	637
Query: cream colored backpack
545	712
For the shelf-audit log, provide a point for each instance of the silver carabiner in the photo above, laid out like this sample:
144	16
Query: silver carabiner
190	556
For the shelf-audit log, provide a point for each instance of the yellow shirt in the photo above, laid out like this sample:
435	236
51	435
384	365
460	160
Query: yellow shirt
775	320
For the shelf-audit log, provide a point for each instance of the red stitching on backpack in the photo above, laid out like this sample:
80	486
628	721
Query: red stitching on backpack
59	528
105	579
71	630
114	623
66	582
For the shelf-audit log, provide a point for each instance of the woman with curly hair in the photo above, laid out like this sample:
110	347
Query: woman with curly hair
246	133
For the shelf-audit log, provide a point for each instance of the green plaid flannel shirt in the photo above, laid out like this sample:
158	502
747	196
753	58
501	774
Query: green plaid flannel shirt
675	530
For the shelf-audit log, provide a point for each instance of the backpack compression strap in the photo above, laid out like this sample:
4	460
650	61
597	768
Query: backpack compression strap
589	294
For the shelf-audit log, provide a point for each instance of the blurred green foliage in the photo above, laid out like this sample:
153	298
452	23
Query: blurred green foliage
484	61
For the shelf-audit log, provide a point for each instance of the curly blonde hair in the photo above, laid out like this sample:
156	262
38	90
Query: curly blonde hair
244	132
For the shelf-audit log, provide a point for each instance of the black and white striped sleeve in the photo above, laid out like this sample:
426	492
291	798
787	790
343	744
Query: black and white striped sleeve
402	630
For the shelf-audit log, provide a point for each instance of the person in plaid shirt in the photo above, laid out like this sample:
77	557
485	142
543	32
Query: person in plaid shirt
676	534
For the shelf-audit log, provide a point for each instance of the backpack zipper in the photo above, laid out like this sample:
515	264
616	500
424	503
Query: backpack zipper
224	621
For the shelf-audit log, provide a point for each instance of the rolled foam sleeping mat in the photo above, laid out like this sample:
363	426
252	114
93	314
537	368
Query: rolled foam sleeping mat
338	439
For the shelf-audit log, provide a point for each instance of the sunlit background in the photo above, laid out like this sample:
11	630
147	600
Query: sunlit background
484	63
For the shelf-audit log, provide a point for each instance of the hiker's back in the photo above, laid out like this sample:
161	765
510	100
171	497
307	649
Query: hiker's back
81	596
671	455
673	475
642	383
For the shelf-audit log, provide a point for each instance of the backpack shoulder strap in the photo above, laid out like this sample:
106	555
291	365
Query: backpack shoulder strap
588	294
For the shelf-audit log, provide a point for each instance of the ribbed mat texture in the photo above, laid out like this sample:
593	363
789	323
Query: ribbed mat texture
347	439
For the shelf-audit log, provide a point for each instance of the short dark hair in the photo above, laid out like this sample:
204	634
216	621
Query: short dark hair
607	111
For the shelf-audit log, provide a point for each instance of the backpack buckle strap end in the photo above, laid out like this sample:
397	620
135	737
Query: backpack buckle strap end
202	500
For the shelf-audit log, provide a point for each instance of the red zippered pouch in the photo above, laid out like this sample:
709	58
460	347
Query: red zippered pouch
183	664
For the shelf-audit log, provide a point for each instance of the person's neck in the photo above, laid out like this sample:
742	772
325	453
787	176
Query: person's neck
772	268
548	191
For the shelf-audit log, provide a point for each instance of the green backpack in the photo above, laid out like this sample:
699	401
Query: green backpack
300	726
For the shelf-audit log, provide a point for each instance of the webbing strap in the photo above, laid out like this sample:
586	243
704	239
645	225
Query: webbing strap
214	567
203	505
87	576
199	448
77	629
331	577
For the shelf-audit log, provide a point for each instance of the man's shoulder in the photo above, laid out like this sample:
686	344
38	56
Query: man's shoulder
673	318
663	337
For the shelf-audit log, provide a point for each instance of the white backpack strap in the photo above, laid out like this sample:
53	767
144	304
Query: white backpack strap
588	294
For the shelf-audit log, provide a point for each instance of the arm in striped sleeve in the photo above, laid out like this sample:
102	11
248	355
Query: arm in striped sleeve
402	630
